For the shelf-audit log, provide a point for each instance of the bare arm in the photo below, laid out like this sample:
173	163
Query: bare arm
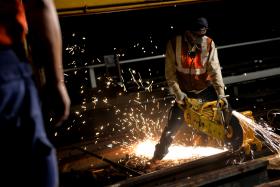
46	46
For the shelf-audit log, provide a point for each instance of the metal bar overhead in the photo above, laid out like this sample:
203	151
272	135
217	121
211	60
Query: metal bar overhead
74	8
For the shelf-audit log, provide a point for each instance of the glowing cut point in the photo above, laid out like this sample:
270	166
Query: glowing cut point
176	152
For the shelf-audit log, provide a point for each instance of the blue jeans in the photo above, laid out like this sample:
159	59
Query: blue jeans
27	157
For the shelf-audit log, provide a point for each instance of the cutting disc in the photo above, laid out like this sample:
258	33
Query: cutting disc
233	133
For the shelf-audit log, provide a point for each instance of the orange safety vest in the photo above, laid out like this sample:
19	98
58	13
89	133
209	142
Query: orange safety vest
192	70
13	24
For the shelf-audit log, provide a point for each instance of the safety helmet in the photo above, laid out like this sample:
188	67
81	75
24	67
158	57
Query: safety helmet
198	24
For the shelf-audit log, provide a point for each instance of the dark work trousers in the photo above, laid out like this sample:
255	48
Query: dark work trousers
176	120
27	157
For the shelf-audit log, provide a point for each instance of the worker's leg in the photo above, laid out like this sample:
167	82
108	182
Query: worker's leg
28	156
175	120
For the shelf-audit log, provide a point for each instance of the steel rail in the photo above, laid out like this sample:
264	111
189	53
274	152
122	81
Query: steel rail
112	163
200	172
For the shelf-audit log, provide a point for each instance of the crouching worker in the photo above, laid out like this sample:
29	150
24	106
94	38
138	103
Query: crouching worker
192	69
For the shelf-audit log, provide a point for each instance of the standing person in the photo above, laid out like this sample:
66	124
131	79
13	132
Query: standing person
192	70
27	156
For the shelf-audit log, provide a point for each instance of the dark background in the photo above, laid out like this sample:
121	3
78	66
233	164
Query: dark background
90	37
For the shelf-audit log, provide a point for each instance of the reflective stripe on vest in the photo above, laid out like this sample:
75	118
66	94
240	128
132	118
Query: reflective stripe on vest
195	66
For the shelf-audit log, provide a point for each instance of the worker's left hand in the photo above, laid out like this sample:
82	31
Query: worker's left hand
56	103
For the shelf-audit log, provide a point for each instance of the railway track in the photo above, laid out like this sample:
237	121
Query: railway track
223	169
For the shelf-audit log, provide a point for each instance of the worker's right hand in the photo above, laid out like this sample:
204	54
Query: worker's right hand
180	102
63	104
181	99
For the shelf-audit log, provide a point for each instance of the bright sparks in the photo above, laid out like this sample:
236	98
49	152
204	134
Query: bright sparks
271	139
176	152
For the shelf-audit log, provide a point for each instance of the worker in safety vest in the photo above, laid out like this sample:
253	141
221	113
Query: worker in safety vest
27	157
192	70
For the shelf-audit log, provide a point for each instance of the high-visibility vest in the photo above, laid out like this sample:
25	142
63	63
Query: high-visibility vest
192	70
13	24
13	27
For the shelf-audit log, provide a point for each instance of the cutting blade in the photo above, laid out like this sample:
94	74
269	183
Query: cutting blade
233	134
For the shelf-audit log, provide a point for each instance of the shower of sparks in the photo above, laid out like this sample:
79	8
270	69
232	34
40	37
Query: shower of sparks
176	152
132	72
139	81
121	84
149	88
265	132
143	119
136	123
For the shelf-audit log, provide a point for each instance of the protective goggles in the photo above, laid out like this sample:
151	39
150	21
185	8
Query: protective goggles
200	32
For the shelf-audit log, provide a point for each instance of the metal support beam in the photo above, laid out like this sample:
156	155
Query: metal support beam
227	80
74	8
92	78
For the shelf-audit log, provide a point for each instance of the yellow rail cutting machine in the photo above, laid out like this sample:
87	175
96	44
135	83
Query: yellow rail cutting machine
211	119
